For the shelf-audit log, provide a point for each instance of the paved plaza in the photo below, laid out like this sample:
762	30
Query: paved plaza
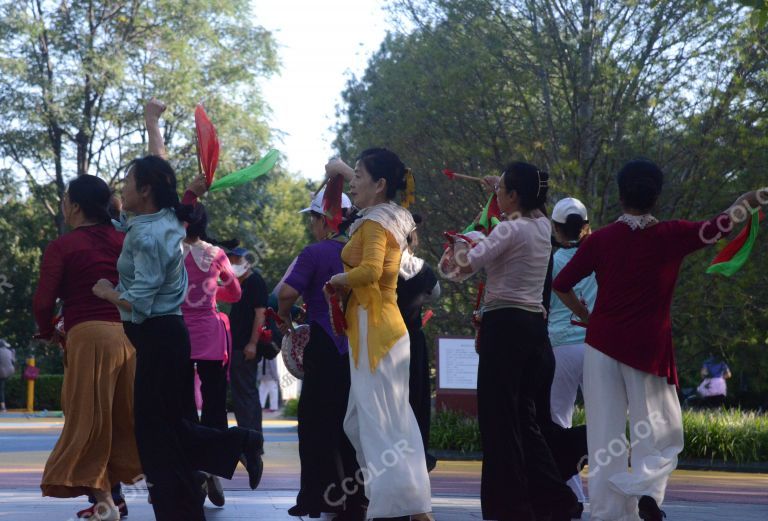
26	442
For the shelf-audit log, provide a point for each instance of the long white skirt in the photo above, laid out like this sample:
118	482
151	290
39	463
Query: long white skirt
383	430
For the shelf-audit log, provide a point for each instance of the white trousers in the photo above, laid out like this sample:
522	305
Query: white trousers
268	386
382	428
656	436
569	376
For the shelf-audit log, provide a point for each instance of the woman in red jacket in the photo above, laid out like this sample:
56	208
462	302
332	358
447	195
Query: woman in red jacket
97	447
629	360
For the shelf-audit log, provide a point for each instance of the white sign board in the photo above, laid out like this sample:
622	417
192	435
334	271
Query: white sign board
457	363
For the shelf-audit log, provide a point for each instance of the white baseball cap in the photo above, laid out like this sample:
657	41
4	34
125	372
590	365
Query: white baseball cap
317	203
566	207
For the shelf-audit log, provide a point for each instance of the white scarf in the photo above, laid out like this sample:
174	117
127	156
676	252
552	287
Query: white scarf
638	222
395	219
410	265
202	252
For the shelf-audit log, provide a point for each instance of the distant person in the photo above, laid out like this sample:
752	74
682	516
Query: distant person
268	379
713	389
7	357
247	319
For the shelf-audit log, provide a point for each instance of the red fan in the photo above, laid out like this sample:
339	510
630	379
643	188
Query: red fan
338	321
332	202
427	315
207	144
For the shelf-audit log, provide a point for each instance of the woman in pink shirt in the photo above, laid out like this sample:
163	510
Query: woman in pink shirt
520	479
629	362
210	279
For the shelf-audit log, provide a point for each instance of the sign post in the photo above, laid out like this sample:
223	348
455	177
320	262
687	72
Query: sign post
457	363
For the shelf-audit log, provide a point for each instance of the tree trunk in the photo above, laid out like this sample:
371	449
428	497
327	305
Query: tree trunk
587	148
55	132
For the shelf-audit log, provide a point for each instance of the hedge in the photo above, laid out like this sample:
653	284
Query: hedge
726	435
47	392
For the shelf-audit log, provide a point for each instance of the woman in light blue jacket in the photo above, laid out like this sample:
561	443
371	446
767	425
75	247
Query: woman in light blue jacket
174	448
570	226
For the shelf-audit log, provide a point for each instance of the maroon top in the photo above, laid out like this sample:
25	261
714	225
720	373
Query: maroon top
71	265
636	273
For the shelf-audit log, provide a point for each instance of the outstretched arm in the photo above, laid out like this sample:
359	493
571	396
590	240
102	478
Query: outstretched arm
749	201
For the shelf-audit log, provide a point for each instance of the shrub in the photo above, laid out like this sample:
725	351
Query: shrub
451	430
726	435
47	392
291	408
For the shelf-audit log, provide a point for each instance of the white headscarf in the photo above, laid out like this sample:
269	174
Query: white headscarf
394	218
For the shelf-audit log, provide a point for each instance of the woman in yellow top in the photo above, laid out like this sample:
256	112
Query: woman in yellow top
379	421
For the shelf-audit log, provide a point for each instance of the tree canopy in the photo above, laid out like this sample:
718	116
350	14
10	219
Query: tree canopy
578	87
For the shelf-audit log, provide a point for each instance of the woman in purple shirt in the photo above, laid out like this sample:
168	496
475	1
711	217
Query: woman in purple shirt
325	390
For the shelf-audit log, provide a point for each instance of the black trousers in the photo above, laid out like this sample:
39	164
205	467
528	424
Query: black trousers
420	394
327	457
172	445
520	480
213	388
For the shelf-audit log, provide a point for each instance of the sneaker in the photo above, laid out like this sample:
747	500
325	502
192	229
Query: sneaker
94	513
87	513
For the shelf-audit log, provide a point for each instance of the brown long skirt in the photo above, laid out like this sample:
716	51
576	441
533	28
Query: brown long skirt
97	447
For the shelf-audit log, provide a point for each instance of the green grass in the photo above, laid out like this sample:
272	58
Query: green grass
730	435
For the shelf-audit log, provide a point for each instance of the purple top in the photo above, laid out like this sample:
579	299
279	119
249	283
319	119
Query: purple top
316	264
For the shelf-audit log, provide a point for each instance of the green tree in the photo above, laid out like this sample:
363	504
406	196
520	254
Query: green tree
578	87
76	74
75	79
